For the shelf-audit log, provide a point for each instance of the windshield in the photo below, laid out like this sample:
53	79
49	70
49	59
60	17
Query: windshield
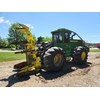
74	36
58	37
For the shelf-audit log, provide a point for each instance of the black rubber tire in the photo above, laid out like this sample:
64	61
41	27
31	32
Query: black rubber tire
48	59
77	53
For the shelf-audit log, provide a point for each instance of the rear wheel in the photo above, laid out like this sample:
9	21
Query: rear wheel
80	55
54	59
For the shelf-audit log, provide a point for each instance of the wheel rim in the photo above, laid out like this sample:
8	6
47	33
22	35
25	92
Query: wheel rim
58	59
83	56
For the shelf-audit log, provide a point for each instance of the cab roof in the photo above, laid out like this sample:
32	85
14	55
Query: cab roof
61	30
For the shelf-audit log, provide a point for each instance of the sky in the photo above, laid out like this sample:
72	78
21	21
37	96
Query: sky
86	24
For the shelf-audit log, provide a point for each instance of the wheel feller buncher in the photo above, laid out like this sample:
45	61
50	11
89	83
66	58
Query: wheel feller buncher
66	45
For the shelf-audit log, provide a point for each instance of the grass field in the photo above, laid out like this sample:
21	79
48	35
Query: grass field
9	56
95	50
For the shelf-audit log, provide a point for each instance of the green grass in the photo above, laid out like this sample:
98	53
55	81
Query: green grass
96	50
9	56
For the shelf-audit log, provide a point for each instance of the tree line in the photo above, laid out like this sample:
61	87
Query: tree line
15	38
4	43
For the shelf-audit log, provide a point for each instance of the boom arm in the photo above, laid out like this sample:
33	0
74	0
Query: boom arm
33	62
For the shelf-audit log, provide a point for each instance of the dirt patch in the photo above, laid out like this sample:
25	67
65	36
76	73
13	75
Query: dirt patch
71	75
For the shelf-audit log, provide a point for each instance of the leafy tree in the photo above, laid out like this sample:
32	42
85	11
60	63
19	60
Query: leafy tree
15	36
47	39
40	39
3	43
43	39
0	42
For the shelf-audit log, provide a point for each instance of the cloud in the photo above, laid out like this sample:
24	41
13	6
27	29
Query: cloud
8	22
2	20
30	26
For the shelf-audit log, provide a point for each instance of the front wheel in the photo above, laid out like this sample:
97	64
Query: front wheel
54	59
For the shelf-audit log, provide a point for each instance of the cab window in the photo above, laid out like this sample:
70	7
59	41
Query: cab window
58	38
66	37
74	36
